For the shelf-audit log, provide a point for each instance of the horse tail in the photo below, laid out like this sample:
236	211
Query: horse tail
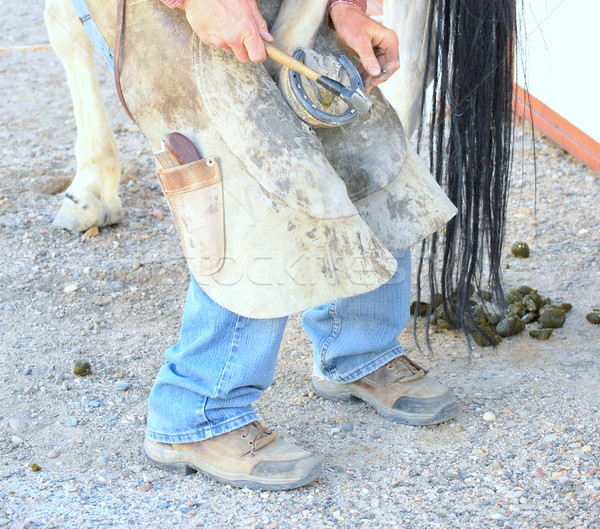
471	60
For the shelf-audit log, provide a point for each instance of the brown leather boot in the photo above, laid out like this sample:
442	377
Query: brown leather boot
400	390
250	456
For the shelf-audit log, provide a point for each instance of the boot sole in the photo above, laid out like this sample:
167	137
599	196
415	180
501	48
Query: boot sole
336	393
163	456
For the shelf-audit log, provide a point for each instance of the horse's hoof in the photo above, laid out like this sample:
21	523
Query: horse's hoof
83	211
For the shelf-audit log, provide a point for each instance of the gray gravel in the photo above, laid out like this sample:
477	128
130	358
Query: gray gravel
523	452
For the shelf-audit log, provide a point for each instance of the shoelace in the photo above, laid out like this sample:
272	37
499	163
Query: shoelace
263	433
403	364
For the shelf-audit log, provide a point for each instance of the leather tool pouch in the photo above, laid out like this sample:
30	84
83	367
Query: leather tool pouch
195	195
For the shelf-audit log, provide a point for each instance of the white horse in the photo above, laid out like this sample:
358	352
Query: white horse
92	199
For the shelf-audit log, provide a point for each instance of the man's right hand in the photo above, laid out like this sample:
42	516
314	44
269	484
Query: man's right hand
234	25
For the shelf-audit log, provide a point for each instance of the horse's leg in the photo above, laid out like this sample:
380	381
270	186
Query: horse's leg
296	25
92	198
404	89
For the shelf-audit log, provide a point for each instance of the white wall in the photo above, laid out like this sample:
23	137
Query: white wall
560	49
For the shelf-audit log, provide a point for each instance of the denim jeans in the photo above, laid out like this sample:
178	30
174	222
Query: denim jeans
223	361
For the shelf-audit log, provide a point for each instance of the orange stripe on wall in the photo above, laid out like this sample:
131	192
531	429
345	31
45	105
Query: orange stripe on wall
553	125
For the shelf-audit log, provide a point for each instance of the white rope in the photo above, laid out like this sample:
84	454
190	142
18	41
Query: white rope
35	47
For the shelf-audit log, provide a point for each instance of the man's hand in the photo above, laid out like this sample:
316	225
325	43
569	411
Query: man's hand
235	25
376	45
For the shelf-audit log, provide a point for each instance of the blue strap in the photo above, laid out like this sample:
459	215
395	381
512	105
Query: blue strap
93	32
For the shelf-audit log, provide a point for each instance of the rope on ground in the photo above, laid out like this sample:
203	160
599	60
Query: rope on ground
35	47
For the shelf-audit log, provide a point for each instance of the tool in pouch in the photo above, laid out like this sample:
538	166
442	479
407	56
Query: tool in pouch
194	191
300	82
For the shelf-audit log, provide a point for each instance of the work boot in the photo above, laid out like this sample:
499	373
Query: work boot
399	390
250	456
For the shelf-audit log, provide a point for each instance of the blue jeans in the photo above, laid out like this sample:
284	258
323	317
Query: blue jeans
223	361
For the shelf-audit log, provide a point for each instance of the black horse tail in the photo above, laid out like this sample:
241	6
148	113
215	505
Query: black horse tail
471	60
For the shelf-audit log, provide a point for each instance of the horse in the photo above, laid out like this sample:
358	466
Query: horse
461	50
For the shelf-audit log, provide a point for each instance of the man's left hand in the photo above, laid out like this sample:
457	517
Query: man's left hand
375	45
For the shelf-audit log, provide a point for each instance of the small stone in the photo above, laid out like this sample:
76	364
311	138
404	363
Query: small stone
27	371
35	467
81	368
541	334
94	403
70	423
73	287
566	306
489	416
123	386
53	454
92	232
145	487
520	249
16	440
103	460
157	213
550	438
593	317
18	425
8	307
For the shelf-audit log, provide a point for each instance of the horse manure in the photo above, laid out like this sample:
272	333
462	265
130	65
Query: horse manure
520	249
529	317
517	309
530	304
485	295
443	324
541	334
422	308
524	289
524	305
81	368
513	296
593	317
551	317
510	325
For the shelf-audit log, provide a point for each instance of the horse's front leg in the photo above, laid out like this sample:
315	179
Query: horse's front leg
296	26
404	89
92	198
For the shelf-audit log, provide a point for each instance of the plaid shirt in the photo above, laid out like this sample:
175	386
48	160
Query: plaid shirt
360	3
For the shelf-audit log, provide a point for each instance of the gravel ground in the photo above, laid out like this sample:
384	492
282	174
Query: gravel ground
523	452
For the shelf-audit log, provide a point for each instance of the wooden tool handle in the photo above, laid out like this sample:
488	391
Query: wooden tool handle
293	64
181	148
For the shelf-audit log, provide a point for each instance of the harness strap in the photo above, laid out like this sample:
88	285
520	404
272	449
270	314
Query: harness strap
112	60
119	33
93	32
